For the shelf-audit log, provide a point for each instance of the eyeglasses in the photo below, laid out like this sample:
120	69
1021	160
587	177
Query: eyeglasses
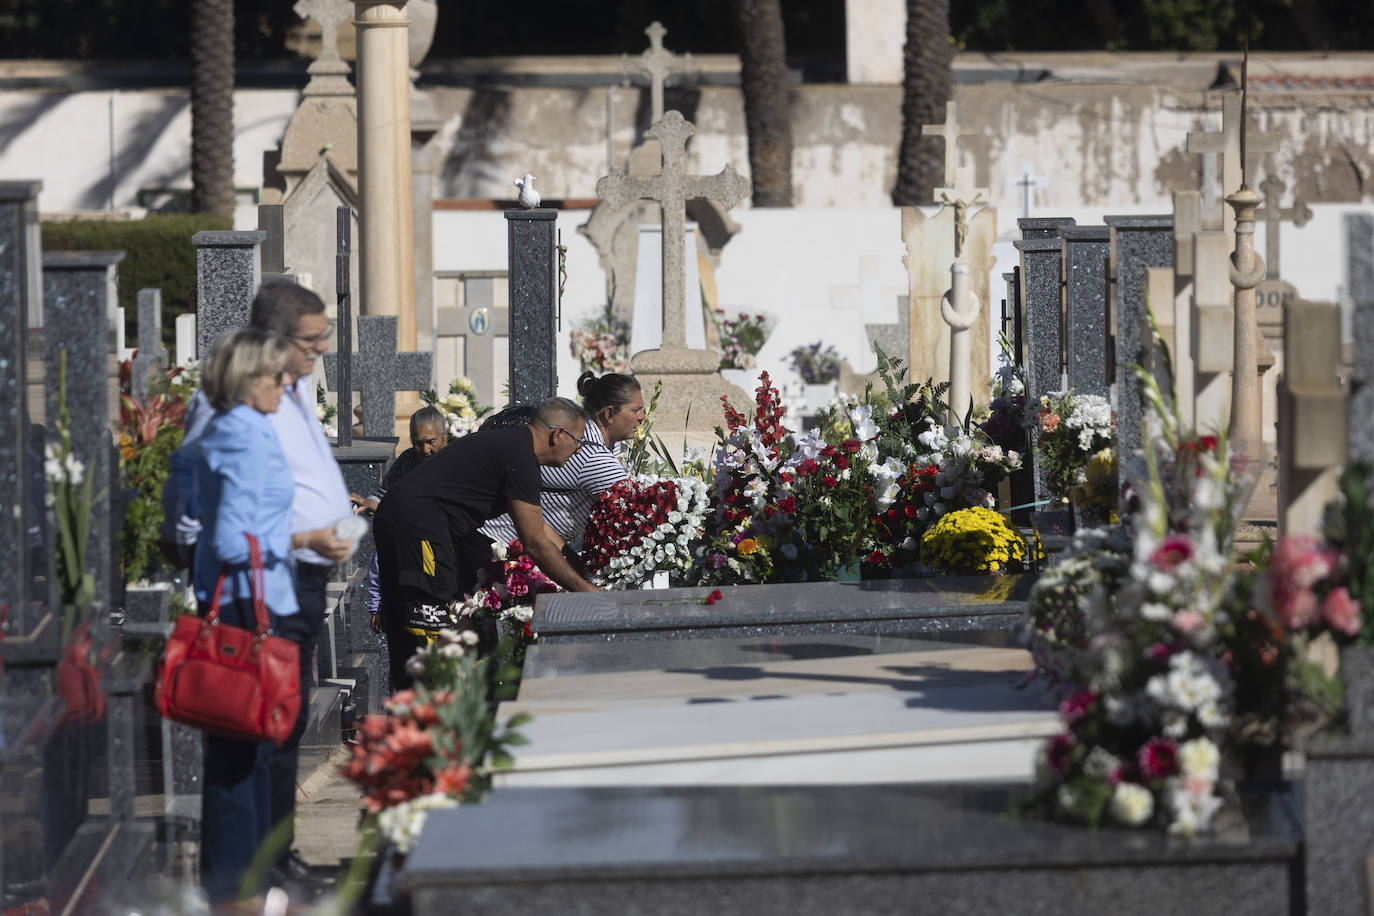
316	339
576	438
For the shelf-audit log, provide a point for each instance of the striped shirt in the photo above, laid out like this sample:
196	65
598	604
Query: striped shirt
566	494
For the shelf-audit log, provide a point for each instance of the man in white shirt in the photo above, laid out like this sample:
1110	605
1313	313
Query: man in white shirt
321	499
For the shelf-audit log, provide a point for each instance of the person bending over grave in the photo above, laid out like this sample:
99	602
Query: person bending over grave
427	526
244	487
320	500
616	406
428	434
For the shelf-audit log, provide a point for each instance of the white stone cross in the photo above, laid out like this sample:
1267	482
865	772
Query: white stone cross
1226	143
950	132
329	68
671	190
1026	181
1273	213
657	63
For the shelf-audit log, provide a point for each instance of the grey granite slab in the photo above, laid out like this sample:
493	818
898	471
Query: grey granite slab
1138	243
1041	302
831	849
1042	227
228	273
1359	231
533	307
880	606
1086	249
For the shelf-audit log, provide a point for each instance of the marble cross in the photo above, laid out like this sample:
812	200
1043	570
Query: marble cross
1273	213
380	371
328	72
950	132
657	63
671	190
480	321
150	350
1227	144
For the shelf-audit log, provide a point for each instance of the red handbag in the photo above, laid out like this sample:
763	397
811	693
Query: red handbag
228	681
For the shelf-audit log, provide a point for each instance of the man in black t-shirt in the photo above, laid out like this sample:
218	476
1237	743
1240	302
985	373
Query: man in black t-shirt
429	549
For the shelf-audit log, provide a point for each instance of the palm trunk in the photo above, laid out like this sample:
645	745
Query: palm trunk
212	107
926	86
767	99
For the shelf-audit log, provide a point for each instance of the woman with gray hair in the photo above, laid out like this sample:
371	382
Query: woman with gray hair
243	486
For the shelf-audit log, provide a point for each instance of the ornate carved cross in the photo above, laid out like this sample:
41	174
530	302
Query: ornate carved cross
328	72
657	63
671	190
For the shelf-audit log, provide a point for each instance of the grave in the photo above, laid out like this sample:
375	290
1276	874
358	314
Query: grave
228	274
152	357
1086	340
379	372
532	316
828	849
472	331
1359	230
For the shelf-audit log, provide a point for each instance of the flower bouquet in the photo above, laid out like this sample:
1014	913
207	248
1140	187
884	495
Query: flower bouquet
1008	419
461	411
741	338
1073	428
601	345
816	363
643	525
509	584
972	541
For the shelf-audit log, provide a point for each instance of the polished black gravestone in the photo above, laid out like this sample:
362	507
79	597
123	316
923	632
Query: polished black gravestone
797	850
946	603
533	304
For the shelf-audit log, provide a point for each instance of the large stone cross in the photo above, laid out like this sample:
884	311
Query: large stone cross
657	63
479	322
150	350
1273	213
950	132
379	371
1226	143
329	68
671	190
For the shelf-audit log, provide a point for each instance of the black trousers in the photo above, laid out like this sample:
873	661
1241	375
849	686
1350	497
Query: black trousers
302	628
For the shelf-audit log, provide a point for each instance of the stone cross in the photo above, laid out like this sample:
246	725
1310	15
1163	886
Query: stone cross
672	189
949	131
150	350
1271	214
329	71
343	313
657	63
1026	182
380	371
480	321
1227	144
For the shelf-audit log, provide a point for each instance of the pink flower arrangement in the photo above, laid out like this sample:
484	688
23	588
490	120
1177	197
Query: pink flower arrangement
1299	564
1175	551
1341	612
1049	422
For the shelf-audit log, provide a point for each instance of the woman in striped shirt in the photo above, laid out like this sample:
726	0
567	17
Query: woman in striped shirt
616	405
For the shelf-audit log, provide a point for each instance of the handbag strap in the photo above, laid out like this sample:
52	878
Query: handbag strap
258	586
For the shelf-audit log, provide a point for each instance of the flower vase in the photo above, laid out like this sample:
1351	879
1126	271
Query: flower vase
1357	678
849	572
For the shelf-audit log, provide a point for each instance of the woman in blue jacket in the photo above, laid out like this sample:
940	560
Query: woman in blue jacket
243	486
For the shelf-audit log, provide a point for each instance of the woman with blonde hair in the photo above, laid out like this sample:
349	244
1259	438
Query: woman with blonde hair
243	486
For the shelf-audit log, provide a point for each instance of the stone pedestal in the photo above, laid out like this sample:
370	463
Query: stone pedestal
228	274
532	316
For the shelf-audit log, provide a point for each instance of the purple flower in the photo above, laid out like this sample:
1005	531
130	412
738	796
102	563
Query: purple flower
715	561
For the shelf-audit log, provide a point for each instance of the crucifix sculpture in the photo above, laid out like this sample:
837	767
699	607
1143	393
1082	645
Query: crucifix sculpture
657	63
671	189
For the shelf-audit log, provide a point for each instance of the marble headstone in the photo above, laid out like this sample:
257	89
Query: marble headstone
532	318
1085	308
228	274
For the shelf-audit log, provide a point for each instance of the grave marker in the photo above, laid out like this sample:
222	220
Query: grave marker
533	311
1229	144
657	63
1041	267
380	371
1086	252
1312	416
151	354
475	328
1359	233
228	274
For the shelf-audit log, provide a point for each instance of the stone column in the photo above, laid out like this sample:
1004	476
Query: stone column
533	301
958	310
1247	270
228	273
386	249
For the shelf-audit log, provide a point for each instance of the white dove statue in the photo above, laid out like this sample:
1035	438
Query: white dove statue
528	197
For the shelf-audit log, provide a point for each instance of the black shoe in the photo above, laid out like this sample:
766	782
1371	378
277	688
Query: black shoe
300	881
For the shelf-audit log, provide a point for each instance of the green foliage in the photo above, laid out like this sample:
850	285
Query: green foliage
921	405
157	253
647	454
1350	527
71	496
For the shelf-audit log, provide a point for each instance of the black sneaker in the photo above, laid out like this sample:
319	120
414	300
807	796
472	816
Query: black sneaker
300	881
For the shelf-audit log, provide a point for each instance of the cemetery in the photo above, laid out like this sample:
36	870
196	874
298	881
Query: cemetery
964	563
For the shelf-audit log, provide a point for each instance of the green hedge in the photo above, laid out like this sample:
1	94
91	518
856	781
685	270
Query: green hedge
157	253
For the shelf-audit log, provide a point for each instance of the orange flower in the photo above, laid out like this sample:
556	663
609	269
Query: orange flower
452	779
747	546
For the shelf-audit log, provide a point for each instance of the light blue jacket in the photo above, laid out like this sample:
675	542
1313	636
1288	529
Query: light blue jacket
243	485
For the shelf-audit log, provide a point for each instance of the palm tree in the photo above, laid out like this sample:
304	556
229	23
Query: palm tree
767	99
925	89
212	107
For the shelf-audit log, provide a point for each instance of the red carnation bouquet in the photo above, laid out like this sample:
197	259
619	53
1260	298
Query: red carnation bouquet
643	525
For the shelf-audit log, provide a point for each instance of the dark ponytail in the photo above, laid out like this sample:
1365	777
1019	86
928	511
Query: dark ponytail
610	390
